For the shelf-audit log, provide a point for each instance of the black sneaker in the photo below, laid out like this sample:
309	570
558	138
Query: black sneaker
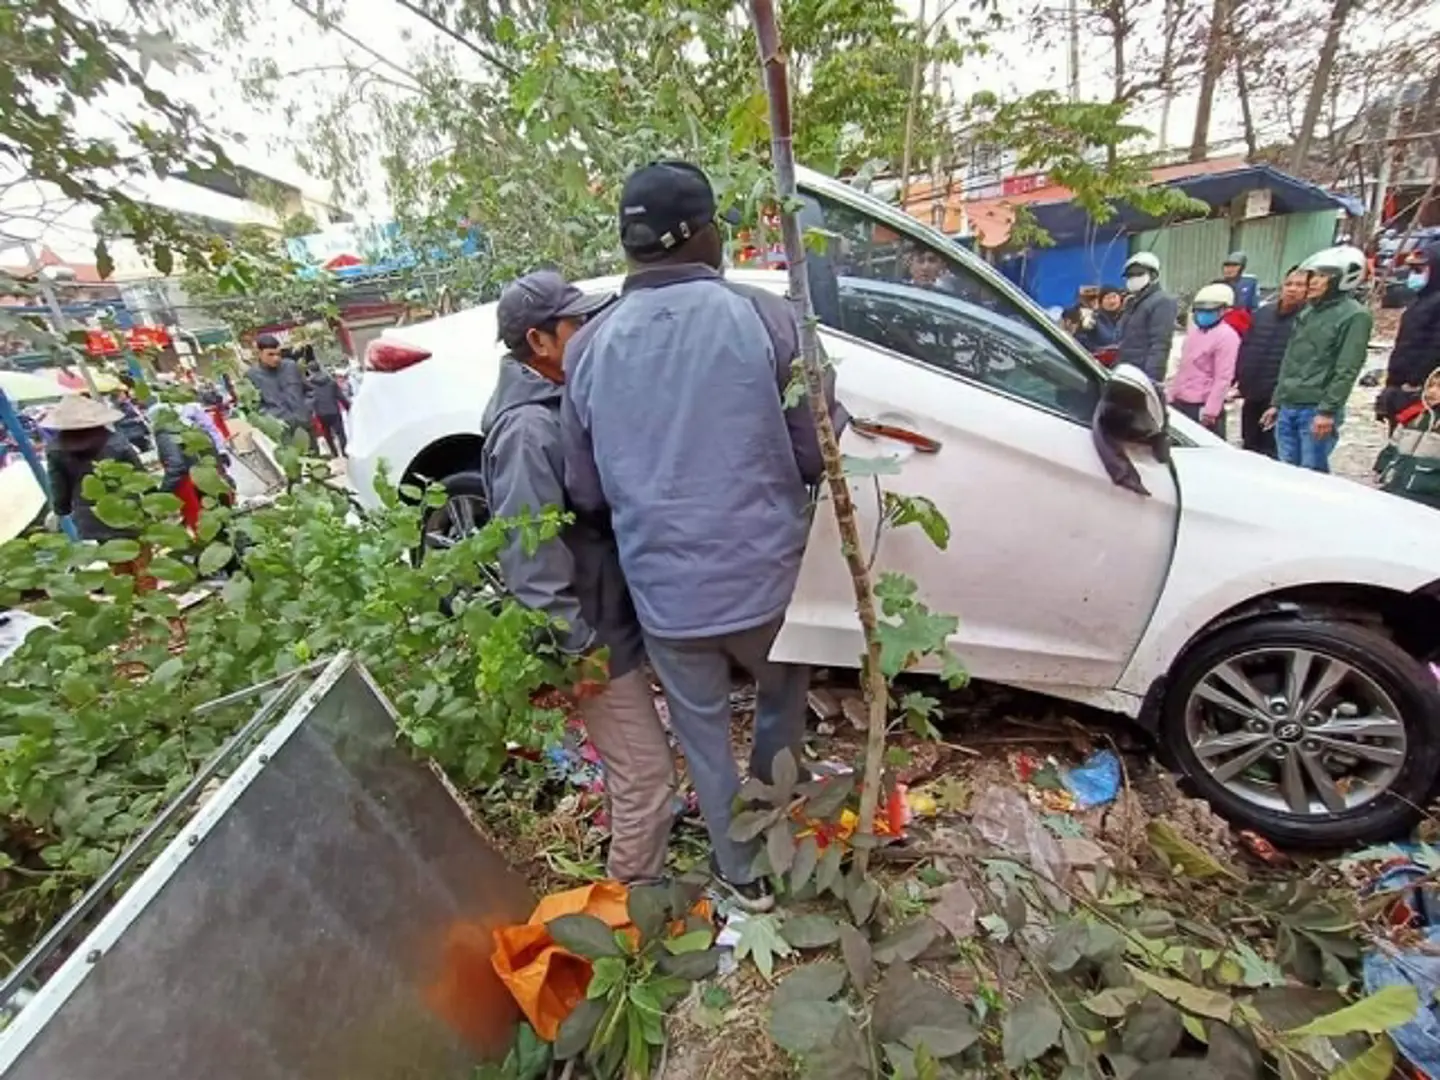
753	896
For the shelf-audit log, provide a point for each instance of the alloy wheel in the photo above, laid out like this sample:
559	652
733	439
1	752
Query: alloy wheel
447	525
1295	730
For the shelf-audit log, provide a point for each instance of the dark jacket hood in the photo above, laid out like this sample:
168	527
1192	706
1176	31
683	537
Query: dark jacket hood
1431	252
518	384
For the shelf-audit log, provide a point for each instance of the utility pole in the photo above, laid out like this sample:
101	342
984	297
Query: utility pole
1073	60
57	316
1382	177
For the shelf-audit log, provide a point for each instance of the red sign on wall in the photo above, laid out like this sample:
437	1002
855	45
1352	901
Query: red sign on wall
1024	184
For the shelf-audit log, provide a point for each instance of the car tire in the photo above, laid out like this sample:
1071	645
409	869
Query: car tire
1378	784
465	510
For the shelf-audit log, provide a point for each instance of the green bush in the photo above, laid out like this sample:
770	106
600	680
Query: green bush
96	724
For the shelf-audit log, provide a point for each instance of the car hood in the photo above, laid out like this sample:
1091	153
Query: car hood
1304	514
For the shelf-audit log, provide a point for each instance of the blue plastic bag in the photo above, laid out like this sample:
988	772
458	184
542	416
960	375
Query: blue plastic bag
1096	782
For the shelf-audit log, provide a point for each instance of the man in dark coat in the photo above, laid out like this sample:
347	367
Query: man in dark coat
1417	342
575	578
1261	351
281	385
1147	328
329	400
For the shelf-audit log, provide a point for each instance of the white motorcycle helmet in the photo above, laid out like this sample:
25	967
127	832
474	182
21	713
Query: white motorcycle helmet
1344	264
1213	297
1144	262
1140	270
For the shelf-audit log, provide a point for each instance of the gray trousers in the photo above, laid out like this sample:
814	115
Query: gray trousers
696	675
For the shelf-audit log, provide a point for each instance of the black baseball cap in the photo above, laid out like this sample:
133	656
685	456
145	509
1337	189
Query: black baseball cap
540	298
662	205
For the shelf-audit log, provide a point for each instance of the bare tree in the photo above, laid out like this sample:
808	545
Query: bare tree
1217	51
1320	84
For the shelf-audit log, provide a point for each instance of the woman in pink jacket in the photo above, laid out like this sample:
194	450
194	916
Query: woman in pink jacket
1207	359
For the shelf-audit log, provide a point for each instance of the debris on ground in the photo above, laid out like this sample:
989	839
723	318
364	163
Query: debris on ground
1043	900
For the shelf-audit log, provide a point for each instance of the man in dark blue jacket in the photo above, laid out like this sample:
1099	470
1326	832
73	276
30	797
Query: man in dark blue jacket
1258	367
575	579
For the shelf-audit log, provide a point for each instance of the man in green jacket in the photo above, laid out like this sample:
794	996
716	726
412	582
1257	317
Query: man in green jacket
1322	360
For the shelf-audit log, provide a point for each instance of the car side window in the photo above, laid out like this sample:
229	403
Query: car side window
924	303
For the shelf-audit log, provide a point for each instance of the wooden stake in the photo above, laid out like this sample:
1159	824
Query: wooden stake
777	87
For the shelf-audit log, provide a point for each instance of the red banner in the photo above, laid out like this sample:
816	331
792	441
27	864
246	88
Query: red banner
139	338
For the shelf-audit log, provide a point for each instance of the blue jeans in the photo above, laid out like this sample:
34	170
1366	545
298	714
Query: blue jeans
1295	443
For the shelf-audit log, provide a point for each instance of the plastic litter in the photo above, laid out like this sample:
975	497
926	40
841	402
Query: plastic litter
1003	818
1094	783
1419	1040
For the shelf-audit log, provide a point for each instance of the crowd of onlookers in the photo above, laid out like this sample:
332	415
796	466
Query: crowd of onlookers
1292	361
75	435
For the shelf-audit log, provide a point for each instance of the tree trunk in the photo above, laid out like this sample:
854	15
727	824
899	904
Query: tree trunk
910	108
1242	87
1315	101
772	64
1215	51
1119	30
1167	71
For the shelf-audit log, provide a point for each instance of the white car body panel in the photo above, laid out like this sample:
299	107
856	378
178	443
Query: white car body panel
1062	581
1251	526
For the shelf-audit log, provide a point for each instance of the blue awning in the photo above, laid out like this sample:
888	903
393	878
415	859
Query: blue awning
1067	223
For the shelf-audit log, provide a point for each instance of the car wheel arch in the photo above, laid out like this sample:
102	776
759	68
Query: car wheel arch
446	456
1412	620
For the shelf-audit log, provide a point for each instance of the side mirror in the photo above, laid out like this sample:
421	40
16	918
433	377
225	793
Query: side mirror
1131	408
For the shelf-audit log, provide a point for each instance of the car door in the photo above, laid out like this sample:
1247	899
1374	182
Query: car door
1052	569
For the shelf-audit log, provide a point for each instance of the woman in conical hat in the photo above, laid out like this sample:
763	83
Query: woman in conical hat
83	437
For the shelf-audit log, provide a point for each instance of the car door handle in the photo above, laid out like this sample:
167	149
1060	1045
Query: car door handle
873	429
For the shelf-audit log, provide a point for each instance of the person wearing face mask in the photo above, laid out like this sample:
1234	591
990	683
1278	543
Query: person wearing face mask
1322	360
1417	342
1207	359
1147	326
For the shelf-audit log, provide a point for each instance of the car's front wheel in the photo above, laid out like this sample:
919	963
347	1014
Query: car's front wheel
1312	733
464	511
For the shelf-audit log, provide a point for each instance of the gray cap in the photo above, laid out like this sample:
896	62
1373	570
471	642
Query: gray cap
540	298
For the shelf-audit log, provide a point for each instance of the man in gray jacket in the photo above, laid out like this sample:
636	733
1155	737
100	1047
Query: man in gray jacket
1147	325
576	578
675	424
278	380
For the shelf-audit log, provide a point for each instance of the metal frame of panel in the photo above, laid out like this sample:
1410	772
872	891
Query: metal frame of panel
57	990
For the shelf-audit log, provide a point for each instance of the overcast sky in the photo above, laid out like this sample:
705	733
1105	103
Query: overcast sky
283	32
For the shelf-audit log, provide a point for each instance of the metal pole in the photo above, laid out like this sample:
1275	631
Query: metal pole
11	421
1382	178
57	315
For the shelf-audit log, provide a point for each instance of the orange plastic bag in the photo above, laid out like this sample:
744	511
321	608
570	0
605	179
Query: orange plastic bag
546	981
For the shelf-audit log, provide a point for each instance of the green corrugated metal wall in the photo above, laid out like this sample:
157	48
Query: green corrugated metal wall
1308	233
1190	254
1263	241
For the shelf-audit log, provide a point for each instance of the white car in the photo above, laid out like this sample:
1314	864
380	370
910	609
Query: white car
1274	627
